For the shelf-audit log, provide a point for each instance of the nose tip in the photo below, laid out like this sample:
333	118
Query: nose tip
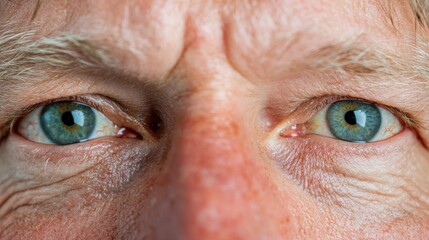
219	183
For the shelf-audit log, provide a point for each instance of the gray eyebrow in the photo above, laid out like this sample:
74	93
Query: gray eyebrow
353	58
23	58
27	59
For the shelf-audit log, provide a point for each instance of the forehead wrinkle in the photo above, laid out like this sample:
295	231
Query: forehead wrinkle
276	37
71	51
420	10
37	7
417	9
21	56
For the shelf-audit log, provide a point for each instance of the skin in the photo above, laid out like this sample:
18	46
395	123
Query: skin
217	167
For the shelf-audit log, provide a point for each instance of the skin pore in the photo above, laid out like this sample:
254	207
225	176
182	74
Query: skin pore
216	97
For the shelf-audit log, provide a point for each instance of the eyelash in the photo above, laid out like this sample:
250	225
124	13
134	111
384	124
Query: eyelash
314	105
405	118
294	125
78	98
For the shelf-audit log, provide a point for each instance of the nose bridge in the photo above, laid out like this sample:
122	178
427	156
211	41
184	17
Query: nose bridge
217	179
218	187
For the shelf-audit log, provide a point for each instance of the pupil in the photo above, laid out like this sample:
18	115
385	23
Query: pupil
350	118
68	119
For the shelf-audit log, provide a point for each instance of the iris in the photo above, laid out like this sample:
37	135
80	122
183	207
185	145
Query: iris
67	122
354	121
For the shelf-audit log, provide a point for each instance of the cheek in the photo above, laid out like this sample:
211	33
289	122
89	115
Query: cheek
381	184
96	215
90	223
59	190
98	222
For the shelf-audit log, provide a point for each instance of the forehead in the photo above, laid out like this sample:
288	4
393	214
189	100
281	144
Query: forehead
250	33
283	13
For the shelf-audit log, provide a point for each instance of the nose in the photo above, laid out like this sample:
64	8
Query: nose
219	186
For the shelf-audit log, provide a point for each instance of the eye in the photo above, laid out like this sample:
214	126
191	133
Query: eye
64	123
355	121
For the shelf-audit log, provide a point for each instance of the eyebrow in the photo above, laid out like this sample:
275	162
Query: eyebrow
26	57
23	58
352	58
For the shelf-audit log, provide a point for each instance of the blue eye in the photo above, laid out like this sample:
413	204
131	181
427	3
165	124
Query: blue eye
65	123
355	121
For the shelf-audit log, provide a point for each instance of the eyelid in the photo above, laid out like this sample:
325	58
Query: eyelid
83	99
310	107
320	103
114	111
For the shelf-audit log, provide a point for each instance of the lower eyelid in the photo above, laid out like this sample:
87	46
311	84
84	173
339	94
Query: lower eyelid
71	156
377	148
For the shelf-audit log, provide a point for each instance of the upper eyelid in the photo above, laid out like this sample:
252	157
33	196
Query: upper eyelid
78	98
313	105
27	110
317	104
87	99
110	108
